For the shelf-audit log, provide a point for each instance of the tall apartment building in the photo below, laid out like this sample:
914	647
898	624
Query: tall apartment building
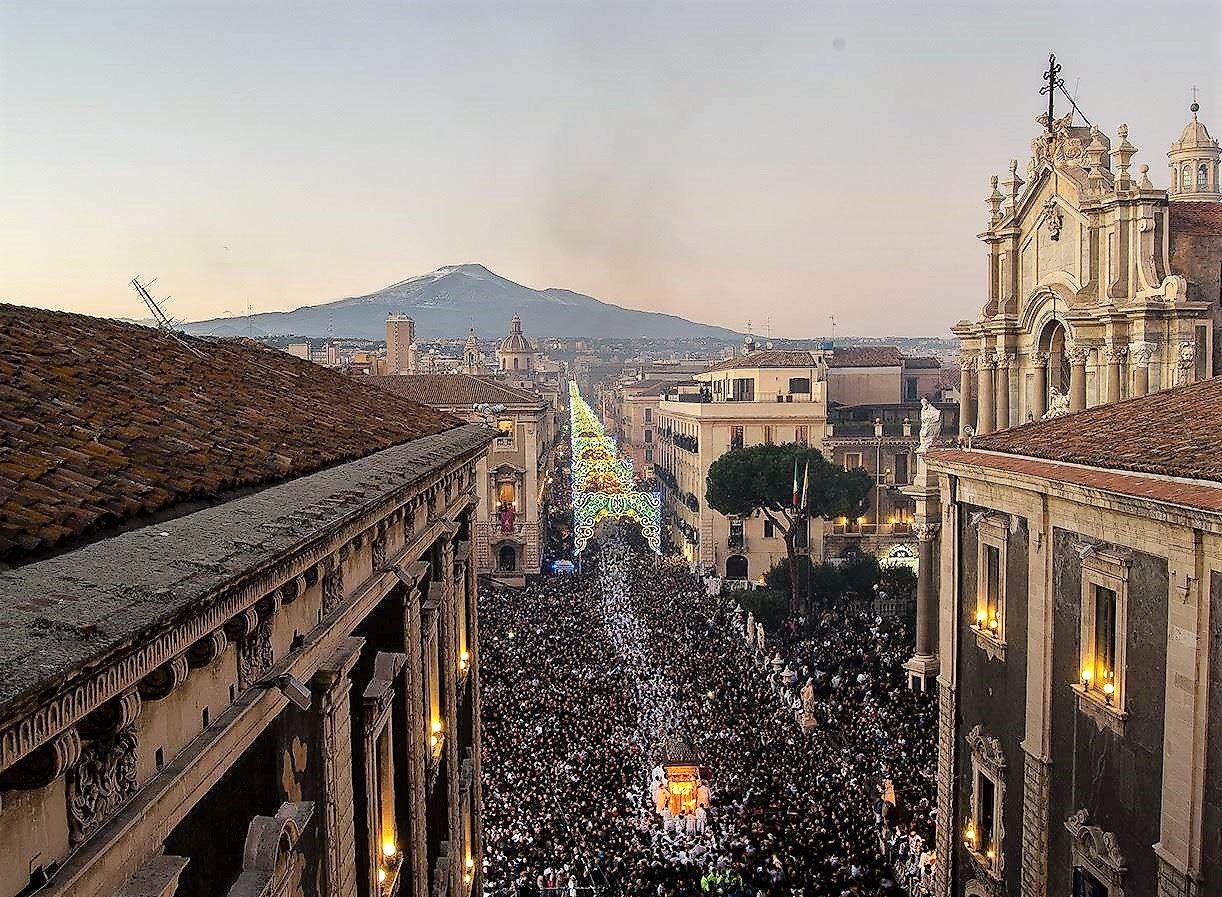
400	335
767	396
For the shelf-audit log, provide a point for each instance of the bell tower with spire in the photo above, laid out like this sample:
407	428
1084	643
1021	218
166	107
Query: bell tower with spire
1194	163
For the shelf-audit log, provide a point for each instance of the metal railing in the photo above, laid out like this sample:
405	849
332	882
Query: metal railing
872	529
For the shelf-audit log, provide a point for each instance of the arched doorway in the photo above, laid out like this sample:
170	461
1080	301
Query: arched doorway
1053	340
507	559
736	567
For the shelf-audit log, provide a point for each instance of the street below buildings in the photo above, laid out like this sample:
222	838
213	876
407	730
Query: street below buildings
590	679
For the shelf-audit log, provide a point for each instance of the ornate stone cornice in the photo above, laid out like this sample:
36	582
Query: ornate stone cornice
1142	352
986	749
1004	361
1077	353
1041	358
1097	849
1115	354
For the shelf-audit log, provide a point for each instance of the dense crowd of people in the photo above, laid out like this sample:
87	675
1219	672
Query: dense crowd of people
585	678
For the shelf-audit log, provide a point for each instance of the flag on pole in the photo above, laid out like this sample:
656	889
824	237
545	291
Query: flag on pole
805	484
795	482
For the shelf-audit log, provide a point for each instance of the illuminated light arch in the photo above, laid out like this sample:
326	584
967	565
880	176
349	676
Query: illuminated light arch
603	483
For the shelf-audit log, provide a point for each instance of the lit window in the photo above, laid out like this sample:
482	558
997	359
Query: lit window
990	617
852	460
983	832
1100	686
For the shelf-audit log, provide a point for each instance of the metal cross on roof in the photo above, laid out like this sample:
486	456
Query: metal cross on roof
1054	81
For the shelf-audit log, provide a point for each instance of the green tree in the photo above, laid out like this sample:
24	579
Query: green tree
761	478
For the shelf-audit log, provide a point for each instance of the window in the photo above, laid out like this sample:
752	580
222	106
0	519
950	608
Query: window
648	415
736	437
910	389
982	835
735	539
1100	685
504	434
769	529
800	436
1098	869
648	436
990	617
799	385
648	454
1202	178
1186	179
852	460
1086	885
901	469
743	390
768	436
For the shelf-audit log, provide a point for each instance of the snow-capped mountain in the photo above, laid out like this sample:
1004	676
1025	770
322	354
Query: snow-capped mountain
449	300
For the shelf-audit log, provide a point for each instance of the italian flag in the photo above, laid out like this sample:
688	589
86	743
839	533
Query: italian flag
795	482
805	484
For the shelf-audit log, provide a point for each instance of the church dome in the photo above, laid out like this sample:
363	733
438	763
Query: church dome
1194	160
516	341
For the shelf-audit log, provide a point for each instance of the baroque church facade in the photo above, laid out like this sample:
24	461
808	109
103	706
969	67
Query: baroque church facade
1101	286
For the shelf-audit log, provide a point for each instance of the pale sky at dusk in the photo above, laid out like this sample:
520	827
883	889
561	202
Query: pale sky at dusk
721	161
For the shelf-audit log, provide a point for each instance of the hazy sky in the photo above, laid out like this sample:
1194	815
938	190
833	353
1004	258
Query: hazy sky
722	161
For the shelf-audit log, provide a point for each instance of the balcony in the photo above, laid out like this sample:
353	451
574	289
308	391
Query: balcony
872	529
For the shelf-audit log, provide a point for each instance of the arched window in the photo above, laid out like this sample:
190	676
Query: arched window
1202	178
515	362
1186	179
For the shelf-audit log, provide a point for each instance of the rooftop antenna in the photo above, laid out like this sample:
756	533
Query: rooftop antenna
331	327
832	318
165	323
249	323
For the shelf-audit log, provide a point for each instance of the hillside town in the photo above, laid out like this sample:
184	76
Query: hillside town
531	594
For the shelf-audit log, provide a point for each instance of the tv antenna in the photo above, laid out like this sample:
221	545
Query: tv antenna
832	318
165	323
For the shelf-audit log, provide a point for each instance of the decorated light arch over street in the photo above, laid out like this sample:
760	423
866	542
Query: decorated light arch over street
603	484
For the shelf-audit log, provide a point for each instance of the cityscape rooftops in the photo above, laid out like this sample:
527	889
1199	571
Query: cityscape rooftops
104	425
767	358
452	390
866	357
1203	218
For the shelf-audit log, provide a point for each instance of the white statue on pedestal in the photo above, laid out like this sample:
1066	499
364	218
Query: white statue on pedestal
1058	404
750	628
759	636
931	424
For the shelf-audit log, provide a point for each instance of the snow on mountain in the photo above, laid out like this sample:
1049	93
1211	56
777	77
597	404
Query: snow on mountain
449	300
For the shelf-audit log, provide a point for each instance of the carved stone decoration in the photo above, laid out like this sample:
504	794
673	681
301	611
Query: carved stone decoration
1040	359
115	715
268	859
289	591
378	551
986	749
205	652
255	655
1098	851
163	680
925	531
1185	364
1143	352
1116	354
100	783
1077	353
333	587
242	625
45	765
1057	144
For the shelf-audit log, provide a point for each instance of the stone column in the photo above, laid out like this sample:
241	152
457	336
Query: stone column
1039	401
967	364
1115	357
946	833
1003	390
1077	355
924	663
984	389
333	748
1142	354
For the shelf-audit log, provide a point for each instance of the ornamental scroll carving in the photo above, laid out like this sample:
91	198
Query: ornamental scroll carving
986	749
1098	850
333	587
378	550
101	782
255	655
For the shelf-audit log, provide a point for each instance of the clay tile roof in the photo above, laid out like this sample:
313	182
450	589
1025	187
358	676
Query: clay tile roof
1195	218
766	358
104	423
921	363
866	357
1173	433
454	390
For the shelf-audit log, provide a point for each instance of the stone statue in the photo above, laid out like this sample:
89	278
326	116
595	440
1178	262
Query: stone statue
759	636
931	424
750	627
1058	404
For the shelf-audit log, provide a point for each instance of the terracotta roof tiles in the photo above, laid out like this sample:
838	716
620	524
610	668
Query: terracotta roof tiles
866	357
1195	218
766	358
104	423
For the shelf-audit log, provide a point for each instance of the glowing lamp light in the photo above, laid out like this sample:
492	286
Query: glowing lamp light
470	863
1108	690
389	849
990	854
381	876
993	624
436	726
466	879
464	656
433	740
1087	675
979	619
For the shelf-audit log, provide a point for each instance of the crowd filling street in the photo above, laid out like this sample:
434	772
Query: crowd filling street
587	676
